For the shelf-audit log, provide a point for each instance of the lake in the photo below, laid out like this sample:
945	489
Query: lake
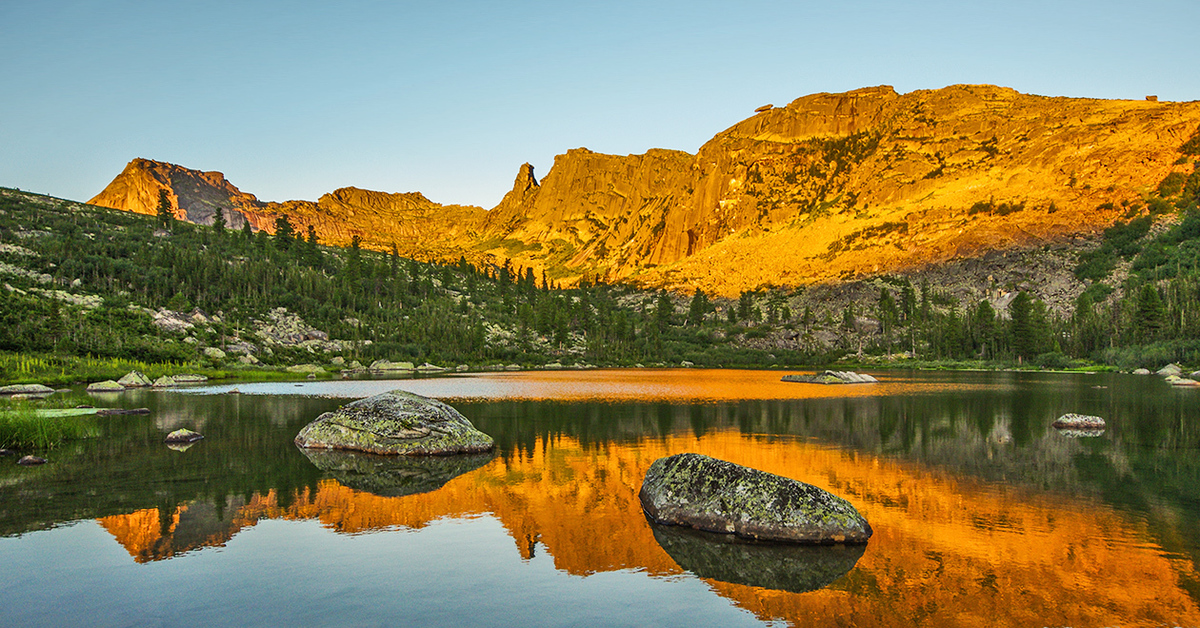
983	514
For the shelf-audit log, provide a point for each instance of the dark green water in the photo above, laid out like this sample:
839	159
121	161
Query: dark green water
982	511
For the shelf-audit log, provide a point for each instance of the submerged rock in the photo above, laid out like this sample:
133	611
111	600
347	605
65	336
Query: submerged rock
832	377
718	496
107	385
30	461
135	379
393	476
182	436
784	567
1079	422
26	389
1182	382
395	422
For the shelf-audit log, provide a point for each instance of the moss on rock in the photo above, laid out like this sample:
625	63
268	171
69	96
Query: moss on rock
718	496
395	422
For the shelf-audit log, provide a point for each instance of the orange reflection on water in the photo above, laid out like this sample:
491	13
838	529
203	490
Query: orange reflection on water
661	385
947	550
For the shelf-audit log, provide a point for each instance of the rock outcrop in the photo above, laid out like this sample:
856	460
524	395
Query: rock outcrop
717	496
832	377
395	422
135	379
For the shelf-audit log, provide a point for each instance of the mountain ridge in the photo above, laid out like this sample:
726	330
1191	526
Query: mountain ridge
830	187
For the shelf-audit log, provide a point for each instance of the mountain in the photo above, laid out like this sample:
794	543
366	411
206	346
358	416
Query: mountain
827	188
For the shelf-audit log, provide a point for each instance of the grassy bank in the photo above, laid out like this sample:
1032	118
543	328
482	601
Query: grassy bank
63	370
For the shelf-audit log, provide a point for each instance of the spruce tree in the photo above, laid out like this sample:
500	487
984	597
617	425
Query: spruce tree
219	221
166	216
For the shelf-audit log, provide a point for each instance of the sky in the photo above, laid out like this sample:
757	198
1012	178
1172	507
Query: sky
295	99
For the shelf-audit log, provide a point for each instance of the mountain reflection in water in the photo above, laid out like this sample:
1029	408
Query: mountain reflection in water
945	547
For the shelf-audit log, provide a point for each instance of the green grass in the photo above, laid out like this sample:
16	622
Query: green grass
52	370
23	427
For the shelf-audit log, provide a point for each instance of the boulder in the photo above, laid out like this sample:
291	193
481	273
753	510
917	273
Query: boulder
1079	422
164	381
832	377
553	366
1182	382
386	366
719	496
107	385
686	364
135	379
393	476
182	435
214	353
26	389
513	367
784	567
395	422
1170	369
430	368
189	378
1141	372
30	461
337	360
305	368
462	368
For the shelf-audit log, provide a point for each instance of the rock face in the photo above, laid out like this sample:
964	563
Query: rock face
832	377
394	476
395	422
784	567
718	496
1079	422
828	187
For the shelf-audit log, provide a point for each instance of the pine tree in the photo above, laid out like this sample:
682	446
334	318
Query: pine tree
166	216
283	232
219	222
1151	316
697	309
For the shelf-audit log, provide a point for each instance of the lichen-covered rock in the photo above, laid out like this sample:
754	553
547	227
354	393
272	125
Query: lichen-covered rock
107	385
1170	369
385	366
395	422
214	353
393	476
832	377
1079	422
135	379
189	378
182	435
718	496
164	381
1141	371
25	389
784	567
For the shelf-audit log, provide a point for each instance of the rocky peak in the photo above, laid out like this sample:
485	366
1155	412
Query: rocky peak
525	179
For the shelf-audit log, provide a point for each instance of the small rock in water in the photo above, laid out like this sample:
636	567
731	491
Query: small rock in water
107	385
122	411
1141	371
30	461
1182	382
27	389
7	452
718	496
182	436
832	377
1079	422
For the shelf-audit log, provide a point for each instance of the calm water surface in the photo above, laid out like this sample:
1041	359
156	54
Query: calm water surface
983	514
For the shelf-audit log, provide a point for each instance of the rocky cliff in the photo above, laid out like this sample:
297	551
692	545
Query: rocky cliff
830	187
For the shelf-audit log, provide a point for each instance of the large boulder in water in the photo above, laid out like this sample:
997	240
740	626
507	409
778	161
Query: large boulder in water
395	422
393	476
785	567
718	496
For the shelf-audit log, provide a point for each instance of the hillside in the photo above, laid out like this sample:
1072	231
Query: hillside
830	187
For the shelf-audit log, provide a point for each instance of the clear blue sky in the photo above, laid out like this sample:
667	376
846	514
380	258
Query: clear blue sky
294	99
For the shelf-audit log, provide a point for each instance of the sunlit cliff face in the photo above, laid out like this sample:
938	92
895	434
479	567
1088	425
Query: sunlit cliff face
946	550
830	187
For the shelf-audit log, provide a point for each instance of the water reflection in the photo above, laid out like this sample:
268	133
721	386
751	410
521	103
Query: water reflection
393	476
724	557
